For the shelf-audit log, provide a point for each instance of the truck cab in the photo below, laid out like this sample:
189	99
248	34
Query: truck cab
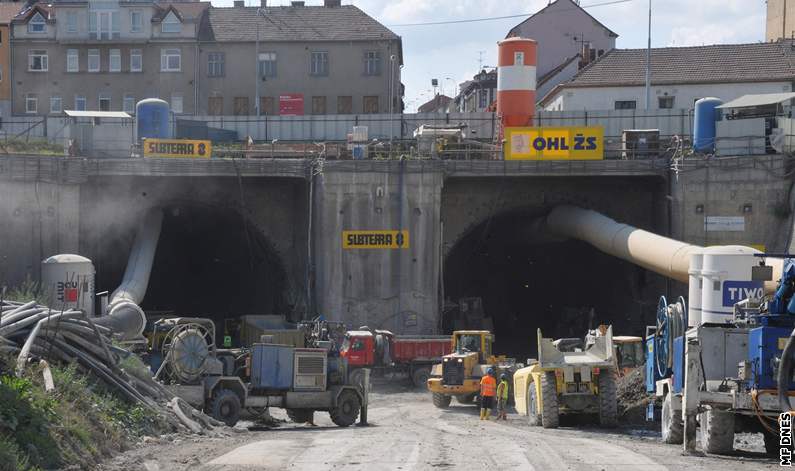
359	349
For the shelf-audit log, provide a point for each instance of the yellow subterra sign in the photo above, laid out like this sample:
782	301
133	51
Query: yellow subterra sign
565	143
179	148
375	239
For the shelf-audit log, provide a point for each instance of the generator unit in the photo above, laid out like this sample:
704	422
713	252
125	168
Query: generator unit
310	369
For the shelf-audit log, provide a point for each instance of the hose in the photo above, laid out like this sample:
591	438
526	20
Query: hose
785	370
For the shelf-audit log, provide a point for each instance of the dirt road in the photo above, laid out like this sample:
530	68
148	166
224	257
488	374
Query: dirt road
408	433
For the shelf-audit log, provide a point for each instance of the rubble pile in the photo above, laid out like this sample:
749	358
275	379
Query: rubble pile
32	331
632	396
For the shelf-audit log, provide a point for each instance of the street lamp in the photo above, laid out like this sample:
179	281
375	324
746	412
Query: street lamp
258	79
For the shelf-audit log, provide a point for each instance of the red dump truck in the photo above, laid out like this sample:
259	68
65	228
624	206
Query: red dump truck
384	352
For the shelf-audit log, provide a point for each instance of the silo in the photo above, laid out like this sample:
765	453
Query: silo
152	117
726	280
704	120
516	82
68	281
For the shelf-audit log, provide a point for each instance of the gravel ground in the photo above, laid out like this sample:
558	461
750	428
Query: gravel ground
407	432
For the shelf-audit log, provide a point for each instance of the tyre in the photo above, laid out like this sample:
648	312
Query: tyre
300	416
550	415
442	401
420	377
347	410
672	427
716	429
225	407
608	404
466	398
532	406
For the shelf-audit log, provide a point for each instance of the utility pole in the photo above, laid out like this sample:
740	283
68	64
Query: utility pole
257	79
648	65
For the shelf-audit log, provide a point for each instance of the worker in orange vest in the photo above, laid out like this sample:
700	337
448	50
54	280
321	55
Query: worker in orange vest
488	389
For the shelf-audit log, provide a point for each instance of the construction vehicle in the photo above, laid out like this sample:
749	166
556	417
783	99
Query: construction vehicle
628	353
731	370
571	376
224	382
460	372
383	352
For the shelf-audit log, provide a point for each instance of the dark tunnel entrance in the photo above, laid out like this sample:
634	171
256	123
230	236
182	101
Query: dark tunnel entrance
212	263
528	281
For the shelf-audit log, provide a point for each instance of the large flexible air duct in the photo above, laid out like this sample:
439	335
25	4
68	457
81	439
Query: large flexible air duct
667	257
124	315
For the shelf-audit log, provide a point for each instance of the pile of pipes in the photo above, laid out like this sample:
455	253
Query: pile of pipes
30	330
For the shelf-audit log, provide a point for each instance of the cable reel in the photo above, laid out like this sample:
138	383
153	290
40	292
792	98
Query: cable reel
671	323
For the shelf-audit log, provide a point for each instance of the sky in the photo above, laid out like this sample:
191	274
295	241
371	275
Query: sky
452	53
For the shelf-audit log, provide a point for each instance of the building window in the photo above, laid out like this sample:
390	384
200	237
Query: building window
370	105
72	60
215	64
31	104
37	24
71	22
136	22
80	103
215	105
115	60
344	105
93	60
318	105
241	105
128	105
1	72
483	99
626	104
372	63
37	61
103	24
319	64
56	105
170	60
666	102
267	64
104	102
136	60
176	103
266	105
171	24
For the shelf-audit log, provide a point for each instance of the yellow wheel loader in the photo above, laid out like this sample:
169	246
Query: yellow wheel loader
460	372
571	376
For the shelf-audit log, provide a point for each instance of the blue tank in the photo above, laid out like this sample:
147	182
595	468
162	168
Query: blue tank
152	118
704	124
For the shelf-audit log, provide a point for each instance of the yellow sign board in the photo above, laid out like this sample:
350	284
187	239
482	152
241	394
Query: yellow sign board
569	143
375	239
177	148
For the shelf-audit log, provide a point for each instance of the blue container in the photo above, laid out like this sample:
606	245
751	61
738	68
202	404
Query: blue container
152	117
704	124
678	369
651	369
763	349
271	366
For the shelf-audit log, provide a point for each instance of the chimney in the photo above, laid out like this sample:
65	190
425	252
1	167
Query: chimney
332	3
263	3
239	3
297	4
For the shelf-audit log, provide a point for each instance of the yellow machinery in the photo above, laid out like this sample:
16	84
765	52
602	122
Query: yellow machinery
628	354
460	372
571	376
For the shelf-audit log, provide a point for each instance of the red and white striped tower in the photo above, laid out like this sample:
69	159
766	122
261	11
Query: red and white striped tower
516	82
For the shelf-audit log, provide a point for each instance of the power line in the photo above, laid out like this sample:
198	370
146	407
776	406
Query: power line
494	18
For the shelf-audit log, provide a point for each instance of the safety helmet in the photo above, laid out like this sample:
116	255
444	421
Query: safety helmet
504	377
490	371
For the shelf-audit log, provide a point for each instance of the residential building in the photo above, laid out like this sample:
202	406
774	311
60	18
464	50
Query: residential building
438	104
105	55
568	38
478	94
679	77
8	10
298	59
780	20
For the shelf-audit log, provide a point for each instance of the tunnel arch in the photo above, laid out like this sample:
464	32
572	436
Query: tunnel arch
527	280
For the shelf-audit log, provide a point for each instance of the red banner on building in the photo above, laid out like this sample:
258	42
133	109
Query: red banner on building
291	104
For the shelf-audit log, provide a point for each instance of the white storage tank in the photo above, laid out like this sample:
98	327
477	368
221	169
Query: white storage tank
694	285
726	280
68	281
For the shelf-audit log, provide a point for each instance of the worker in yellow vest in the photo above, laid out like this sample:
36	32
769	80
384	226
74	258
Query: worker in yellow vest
502	397
488	389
